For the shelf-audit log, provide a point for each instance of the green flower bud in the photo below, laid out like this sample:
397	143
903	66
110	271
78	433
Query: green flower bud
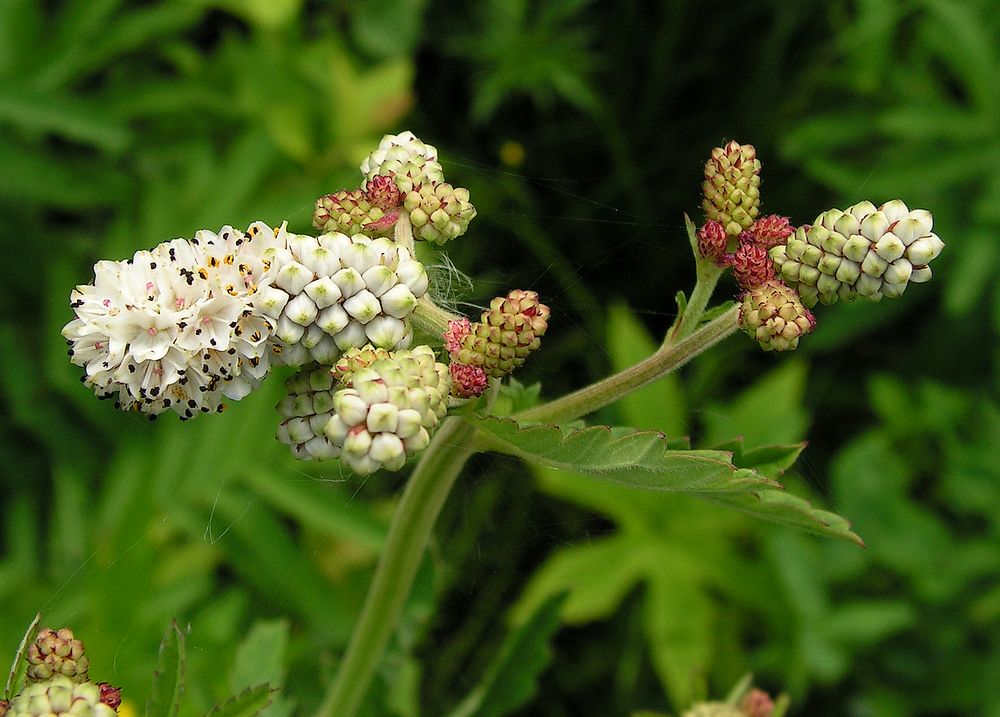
438	211
349	212
389	411
504	336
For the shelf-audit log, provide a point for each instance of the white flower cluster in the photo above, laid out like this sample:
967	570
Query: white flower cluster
179	327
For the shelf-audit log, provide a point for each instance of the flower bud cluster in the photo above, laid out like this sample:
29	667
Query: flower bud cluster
437	210
731	190
57	681
390	410
712	241
383	408
179	327
773	315
750	263
498	343
862	251
410	162
350	211
334	292
60	696
57	652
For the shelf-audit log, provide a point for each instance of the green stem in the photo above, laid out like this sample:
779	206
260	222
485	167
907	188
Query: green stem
431	318
708	277
667	358
409	533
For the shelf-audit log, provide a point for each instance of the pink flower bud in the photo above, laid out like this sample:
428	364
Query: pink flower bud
467	381
757	703
457	330
712	241
110	695
382	192
751	265
772	230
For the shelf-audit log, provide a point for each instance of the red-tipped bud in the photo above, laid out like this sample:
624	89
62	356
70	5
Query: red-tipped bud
772	230
455	333
503	337
757	703
382	192
467	381
4	707
110	695
712	241
751	265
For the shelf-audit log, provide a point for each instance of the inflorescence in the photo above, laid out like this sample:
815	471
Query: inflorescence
194	322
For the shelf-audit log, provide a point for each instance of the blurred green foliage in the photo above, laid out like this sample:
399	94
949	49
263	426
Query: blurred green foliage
123	124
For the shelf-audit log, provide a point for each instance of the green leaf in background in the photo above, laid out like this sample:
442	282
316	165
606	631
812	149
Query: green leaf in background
387	28
769	411
249	703
168	680
511	679
19	666
268	14
261	660
662	403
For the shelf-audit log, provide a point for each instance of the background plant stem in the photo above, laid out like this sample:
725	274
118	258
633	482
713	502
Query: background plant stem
425	494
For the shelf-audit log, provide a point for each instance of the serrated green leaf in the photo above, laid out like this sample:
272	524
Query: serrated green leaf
639	459
642	459
511	680
772	461
168	680
249	703
787	509
19	666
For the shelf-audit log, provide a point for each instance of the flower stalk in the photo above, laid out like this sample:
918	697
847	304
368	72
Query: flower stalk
666	359
425	495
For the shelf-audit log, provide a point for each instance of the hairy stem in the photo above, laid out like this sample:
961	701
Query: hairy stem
667	358
431	318
402	232
708	277
409	533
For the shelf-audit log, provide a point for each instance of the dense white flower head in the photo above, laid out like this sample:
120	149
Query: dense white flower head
330	293
179	327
